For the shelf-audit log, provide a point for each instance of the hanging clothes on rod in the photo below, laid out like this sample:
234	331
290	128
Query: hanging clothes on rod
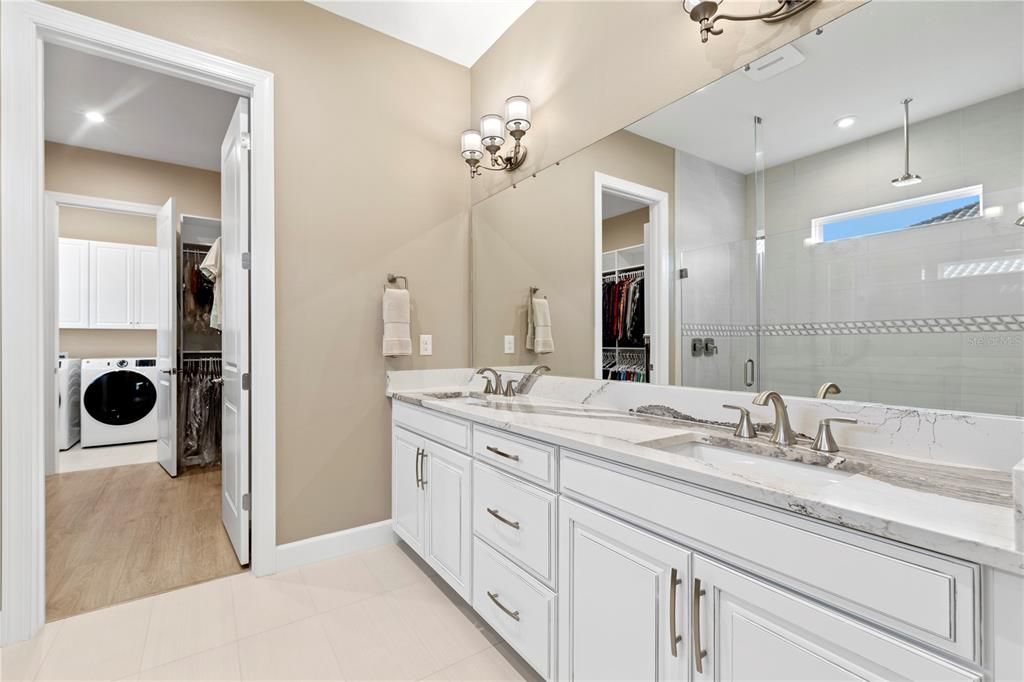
199	411
197	301
623	309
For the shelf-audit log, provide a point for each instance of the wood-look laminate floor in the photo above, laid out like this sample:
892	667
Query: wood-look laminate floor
126	532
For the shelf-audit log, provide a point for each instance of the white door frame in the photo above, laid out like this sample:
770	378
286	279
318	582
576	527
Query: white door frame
54	201
28	297
657	272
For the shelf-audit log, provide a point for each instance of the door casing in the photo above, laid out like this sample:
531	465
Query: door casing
28	295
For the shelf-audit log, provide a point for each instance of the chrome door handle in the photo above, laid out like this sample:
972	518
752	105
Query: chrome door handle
171	371
497	515
698	653
499	453
514	615
673	629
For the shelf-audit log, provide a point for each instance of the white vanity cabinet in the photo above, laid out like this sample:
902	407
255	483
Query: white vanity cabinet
622	600
430	494
750	630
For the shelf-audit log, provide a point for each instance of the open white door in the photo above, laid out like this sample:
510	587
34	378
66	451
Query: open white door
167	339
234	290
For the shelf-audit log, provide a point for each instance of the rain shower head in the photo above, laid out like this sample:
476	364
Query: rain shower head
908	178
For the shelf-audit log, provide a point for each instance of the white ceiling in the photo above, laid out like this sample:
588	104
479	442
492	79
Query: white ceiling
613	205
148	115
459	31
945	55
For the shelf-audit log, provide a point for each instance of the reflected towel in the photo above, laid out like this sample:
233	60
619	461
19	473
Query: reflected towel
397	340
543	342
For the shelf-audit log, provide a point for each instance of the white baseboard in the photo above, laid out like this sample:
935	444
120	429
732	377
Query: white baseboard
331	545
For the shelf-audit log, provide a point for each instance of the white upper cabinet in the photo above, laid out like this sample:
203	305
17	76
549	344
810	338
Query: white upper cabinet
106	285
73	283
146	287
111	283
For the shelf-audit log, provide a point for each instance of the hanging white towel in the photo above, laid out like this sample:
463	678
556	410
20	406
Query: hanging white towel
543	342
396	323
211	268
529	323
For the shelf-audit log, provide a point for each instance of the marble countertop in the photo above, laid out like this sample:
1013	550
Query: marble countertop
961	511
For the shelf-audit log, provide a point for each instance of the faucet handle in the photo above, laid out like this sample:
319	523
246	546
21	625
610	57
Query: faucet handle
489	388
823	440
745	427
510	389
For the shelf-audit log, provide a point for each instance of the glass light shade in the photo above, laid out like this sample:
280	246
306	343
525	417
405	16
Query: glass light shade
517	113
471	144
492	130
688	5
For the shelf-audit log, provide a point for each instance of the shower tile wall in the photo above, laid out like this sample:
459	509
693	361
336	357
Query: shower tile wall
898	275
715	247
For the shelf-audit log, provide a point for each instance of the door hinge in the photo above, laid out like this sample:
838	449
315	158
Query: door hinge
683	273
246	261
246	502
245	382
246	140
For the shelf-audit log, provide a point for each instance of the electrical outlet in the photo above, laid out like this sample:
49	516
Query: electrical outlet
426	344
510	344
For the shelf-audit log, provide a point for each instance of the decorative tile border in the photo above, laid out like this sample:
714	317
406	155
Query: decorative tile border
925	325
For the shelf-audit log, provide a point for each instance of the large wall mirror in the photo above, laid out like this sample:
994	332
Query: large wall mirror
761	234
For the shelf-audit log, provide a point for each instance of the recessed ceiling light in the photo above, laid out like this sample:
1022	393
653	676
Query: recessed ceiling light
95	116
845	121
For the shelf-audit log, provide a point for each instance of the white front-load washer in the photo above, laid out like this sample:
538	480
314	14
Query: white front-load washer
69	384
118	401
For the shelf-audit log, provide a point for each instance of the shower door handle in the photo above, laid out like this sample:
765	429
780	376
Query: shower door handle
748	372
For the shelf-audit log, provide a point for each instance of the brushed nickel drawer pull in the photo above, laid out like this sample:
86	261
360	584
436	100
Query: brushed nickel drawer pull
419	477
674	636
698	653
499	453
514	615
497	515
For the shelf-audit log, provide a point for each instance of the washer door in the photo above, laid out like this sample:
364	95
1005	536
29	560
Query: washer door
119	398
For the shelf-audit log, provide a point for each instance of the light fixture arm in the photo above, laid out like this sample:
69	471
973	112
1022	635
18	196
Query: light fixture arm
704	14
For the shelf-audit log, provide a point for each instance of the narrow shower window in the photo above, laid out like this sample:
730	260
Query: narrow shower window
932	209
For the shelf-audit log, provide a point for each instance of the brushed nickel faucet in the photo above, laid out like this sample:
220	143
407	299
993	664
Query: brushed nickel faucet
827	389
495	387
823	441
527	382
783	432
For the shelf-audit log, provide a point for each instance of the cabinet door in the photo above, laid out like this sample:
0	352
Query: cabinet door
146	289
752	630
111	285
407	495
449	528
73	283
622	607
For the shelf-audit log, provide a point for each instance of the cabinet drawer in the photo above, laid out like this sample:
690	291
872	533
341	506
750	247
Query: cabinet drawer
519	608
925	596
530	459
442	428
515	517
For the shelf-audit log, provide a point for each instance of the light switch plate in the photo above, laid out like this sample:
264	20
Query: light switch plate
510	344
426	344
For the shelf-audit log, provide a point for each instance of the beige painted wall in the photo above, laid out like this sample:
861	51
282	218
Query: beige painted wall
77	170
591	68
542	234
367	182
624	230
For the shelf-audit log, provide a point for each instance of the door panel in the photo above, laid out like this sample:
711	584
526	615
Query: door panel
407	499
167	338
447	484
147	287
234	290
73	283
110	293
617	612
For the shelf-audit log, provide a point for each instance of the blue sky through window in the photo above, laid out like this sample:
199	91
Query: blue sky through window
893	219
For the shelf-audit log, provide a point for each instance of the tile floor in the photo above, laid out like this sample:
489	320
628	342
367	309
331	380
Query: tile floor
379	614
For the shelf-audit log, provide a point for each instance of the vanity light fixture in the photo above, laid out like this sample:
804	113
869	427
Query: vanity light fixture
705	13
491	136
845	121
95	117
908	178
